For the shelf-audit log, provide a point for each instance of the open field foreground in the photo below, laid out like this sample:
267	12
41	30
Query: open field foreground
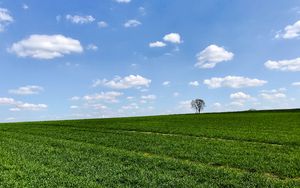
243	149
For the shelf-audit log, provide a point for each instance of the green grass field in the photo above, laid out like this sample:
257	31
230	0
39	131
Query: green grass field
242	149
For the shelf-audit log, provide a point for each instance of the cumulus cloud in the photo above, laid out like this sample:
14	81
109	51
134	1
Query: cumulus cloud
10	119
292	65
185	105
157	44
131	106
194	83
142	11
132	23
14	109
176	94
27	90
290	31
240	96
274	94
296	84
131	81
75	98
74	107
25	7
211	56
173	38
33	107
148	97
217	105
98	106
237	104
46	46
123	1
233	82
92	47
19	105
102	24
166	83
7	101
110	96
76	19
5	19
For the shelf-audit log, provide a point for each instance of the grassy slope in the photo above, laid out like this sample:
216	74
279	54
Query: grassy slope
244	149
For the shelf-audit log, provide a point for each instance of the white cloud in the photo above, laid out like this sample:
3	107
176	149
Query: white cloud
123	1
95	106
142	89
240	96
21	105
176	94
148	97
69	64
143	101
233	82
274	90
185	105
92	47
274	94
110	96
284	65
5	19
157	44
33	107
239	99
166	83
102	24
194	83
46	46
7	101
237	104
76	19
58	18
74	107
25	7
131	81
134	65
14	109
27	90
296	84
217	105
290	31
10	119
173	38
99	106
75	98
142	11
131	106
132	23
211	56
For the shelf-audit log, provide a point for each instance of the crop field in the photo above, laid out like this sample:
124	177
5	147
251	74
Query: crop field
241	149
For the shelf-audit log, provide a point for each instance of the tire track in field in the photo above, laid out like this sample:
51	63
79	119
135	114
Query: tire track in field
197	136
288	144
267	175
107	130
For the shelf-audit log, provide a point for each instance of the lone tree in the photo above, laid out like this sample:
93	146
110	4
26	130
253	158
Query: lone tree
198	105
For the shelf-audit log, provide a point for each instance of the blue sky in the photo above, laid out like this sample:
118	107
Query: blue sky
64	59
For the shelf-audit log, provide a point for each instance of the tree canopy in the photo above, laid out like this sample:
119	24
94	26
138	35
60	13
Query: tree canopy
198	105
